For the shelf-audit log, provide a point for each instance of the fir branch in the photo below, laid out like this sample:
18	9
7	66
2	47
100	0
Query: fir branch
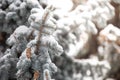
44	18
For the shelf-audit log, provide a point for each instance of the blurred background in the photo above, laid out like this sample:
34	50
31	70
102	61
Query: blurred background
88	31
